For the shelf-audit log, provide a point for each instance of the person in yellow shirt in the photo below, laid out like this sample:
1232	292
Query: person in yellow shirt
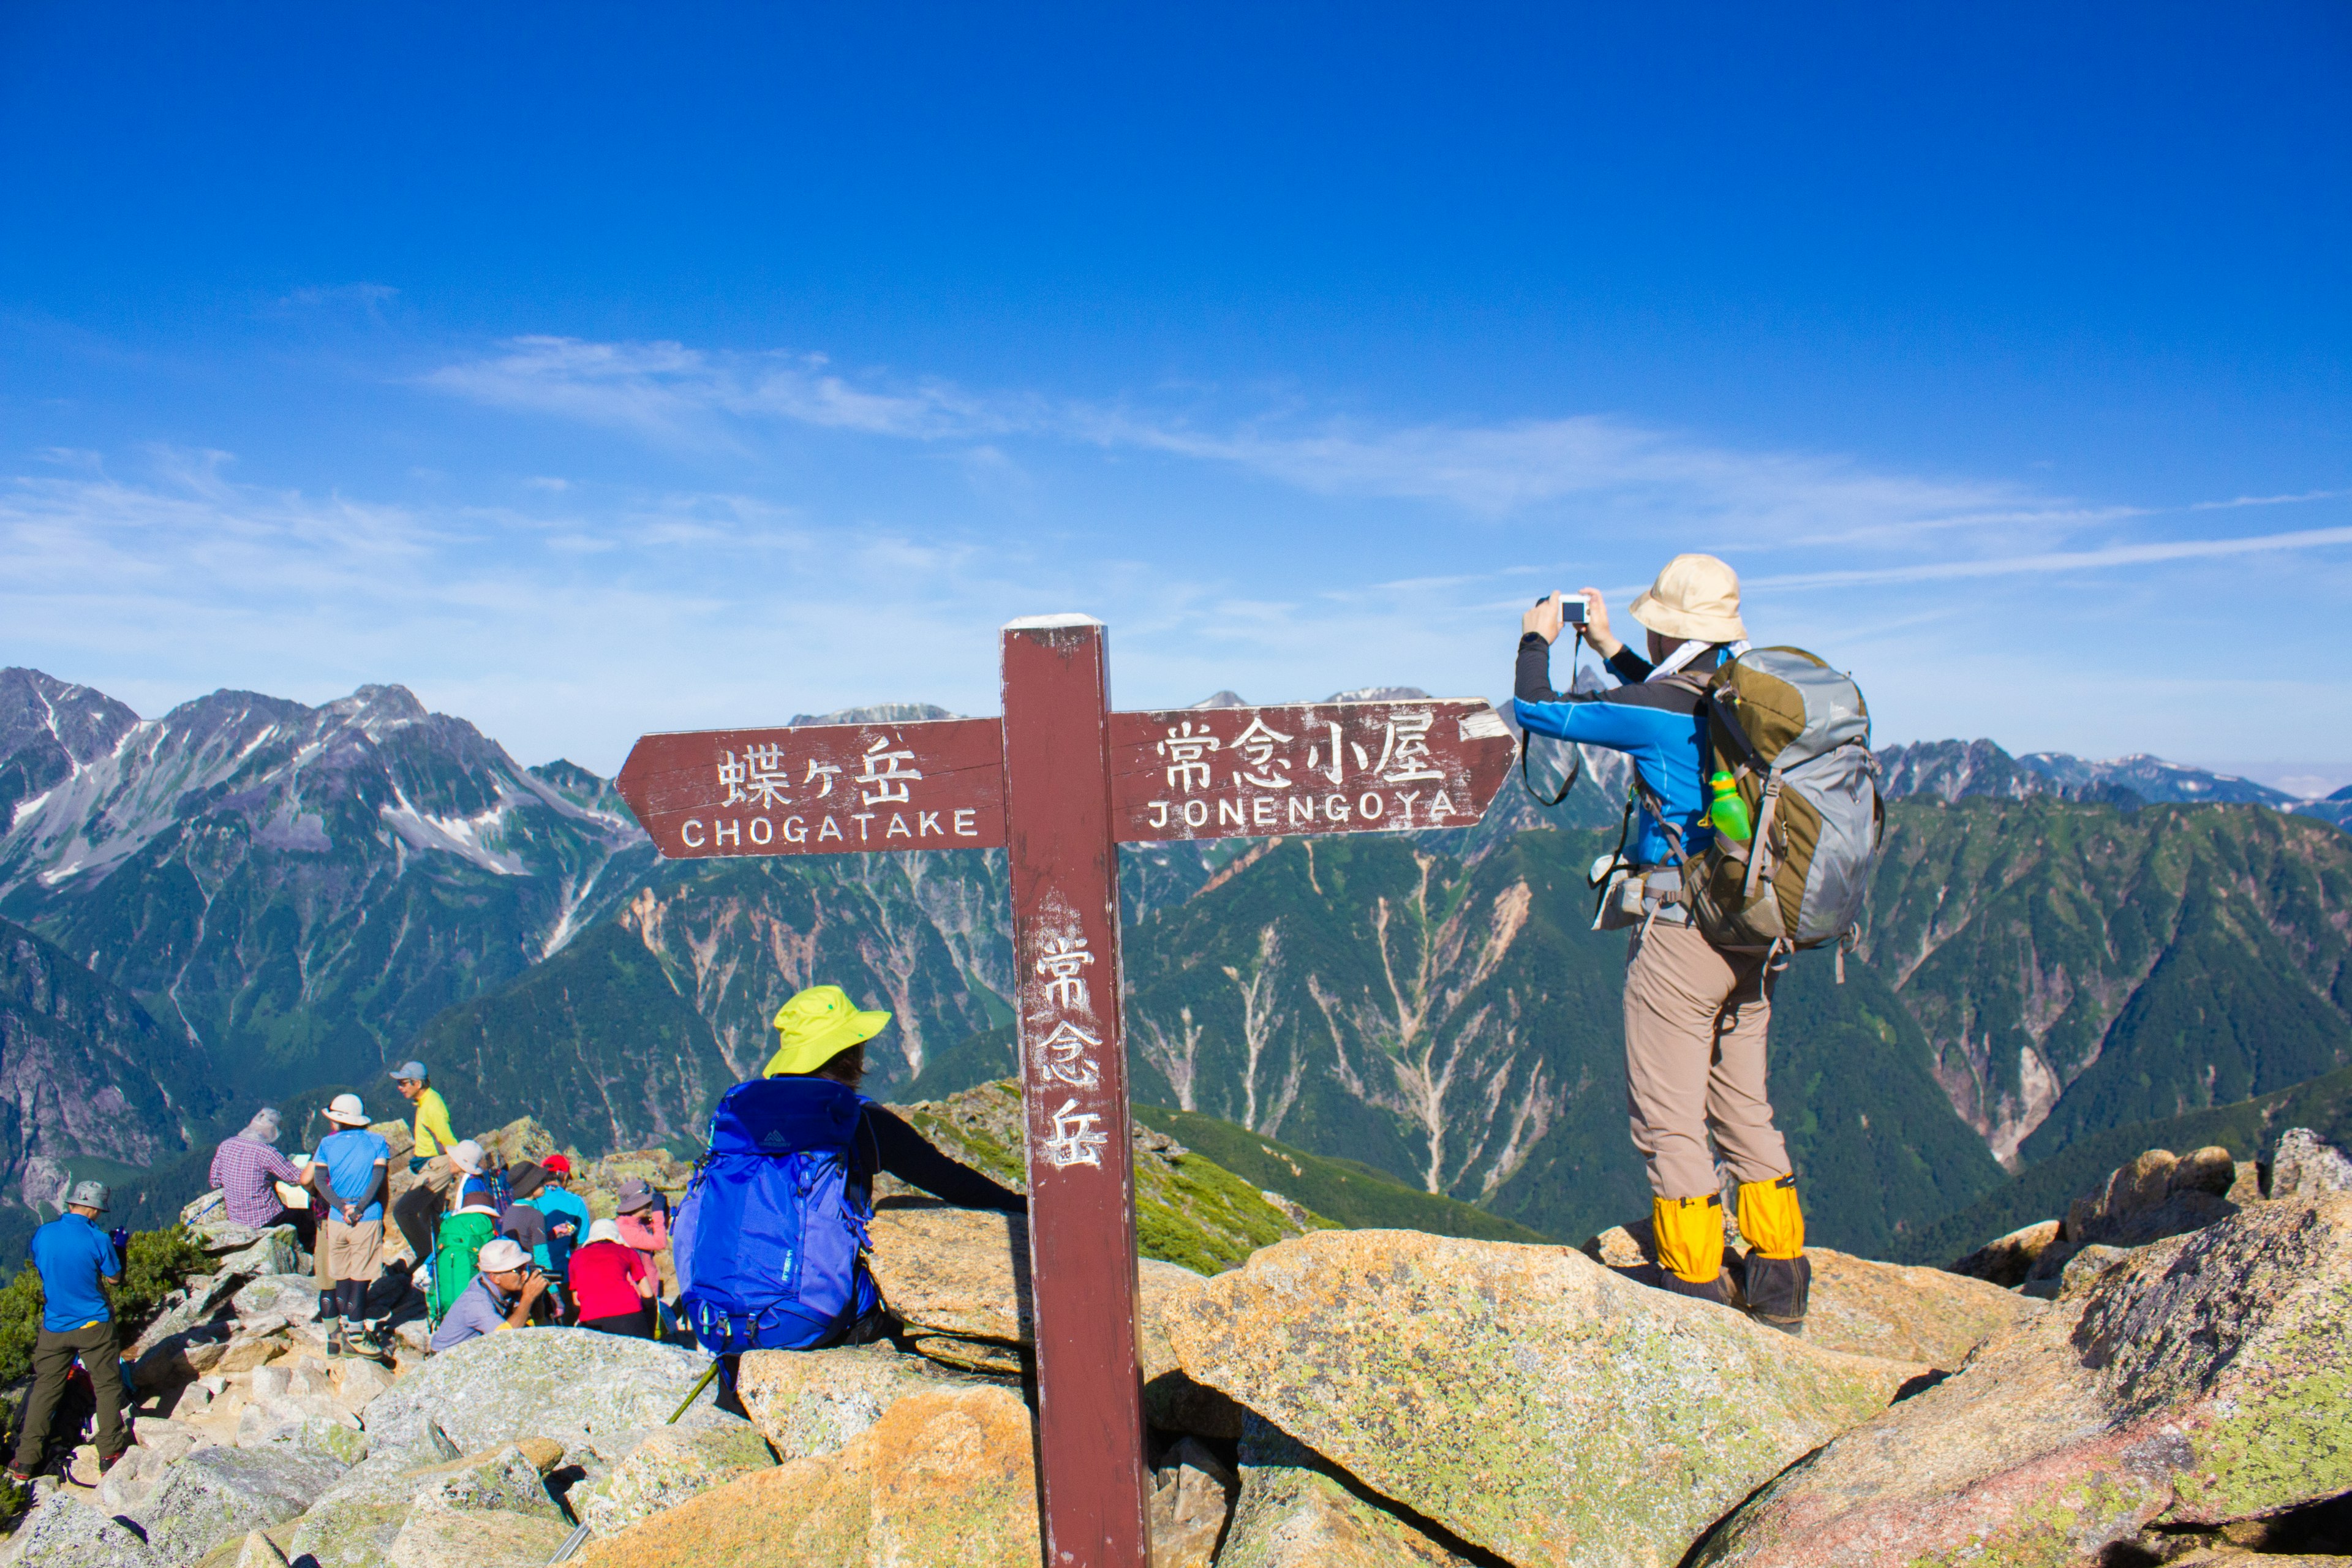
419	1208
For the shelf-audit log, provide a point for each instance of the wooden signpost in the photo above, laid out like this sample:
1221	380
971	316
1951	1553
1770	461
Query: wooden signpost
1059	783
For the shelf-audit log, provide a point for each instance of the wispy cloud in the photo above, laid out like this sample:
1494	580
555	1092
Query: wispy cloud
2050	562
670	393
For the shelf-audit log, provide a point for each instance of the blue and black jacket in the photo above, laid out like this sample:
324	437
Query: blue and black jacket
1662	726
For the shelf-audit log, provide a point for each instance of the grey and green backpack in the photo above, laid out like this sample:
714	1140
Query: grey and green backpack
1795	736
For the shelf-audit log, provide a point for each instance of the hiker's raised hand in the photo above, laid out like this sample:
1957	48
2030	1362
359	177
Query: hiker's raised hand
1544	619
1596	624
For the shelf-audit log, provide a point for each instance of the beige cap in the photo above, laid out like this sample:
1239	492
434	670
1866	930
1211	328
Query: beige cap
1695	598
500	1255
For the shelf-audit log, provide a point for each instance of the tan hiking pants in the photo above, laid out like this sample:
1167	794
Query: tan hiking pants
1695	1024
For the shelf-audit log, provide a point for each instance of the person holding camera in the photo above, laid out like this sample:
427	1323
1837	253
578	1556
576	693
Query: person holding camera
1695	1016
500	1297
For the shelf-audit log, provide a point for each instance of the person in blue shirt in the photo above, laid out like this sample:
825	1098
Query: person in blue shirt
76	1260
348	1171
1695	1016
567	1214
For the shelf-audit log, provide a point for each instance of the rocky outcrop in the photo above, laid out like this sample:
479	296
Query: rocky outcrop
594	1393
810	1404
2305	1166
1525	1398
2199	1381
944	1477
1294	1511
1859	1305
669	1467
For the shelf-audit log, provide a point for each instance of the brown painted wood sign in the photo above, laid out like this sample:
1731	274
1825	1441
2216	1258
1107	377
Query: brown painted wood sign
1060	782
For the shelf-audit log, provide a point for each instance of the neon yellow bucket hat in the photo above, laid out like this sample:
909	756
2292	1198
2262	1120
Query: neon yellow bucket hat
817	1025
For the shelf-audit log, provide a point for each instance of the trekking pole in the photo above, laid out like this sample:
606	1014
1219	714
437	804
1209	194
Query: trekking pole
694	1394
570	1544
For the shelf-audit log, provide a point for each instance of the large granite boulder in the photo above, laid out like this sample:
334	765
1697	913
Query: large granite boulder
2157	1194
944	1477
1526	1398
2305	1166
2199	1381
810	1404
221	1494
356	1522
1296	1512
670	1467
598	1394
63	1531
1925	1315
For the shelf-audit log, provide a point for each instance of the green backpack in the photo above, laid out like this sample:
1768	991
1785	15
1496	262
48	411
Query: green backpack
455	1248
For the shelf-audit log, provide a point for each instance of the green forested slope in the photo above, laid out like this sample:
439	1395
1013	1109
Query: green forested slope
596	1043
2079	967
2248	1129
1355	1195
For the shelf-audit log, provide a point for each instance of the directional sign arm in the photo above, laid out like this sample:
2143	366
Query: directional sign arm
1316	767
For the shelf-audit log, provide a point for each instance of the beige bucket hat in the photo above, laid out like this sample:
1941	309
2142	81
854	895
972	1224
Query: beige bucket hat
1695	598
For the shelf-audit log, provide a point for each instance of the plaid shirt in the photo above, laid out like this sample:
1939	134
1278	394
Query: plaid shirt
242	1170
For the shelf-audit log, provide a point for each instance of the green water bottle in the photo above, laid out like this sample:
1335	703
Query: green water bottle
1726	810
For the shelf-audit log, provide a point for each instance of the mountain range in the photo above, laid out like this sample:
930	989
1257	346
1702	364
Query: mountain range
251	899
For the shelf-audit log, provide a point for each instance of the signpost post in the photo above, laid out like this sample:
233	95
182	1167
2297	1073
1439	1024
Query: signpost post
1059	783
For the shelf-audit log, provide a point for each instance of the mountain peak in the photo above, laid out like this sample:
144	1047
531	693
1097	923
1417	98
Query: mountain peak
877	713
378	709
1377	694
1221	700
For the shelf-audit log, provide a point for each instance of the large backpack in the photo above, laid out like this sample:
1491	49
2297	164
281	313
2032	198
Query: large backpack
1795	736
769	1242
457	1246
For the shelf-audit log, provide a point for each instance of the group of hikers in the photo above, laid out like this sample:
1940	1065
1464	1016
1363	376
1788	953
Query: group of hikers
767	1247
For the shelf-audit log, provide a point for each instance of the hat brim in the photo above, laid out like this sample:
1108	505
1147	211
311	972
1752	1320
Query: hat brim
813	1051
1669	622
344	1121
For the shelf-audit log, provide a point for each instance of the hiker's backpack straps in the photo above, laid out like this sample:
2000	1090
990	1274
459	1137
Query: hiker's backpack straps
769	1240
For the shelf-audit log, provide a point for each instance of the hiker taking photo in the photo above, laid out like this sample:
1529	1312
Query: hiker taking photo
1752	828
794	1153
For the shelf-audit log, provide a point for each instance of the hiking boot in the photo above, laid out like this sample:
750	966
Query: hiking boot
108	1461
1722	1290
1778	1291
21	1476
369	1341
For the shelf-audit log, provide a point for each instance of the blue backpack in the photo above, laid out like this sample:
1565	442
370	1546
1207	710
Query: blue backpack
769	1240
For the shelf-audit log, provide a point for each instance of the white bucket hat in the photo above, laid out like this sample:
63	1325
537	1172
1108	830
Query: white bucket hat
1696	598
466	1155
605	1230
499	1256
348	1110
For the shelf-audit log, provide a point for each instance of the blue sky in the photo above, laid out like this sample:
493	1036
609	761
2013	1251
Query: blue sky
593	370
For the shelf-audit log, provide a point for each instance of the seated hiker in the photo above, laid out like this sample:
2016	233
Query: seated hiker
462	1235
614	1284
422	1206
247	1168
523	1220
349	1176
74	1259
499	1297
567	1213
794	1153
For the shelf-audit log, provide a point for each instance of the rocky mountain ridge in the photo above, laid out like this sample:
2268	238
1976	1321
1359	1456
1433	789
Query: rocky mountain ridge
296	896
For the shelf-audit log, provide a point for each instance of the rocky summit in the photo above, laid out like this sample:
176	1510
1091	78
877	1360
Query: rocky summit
2158	1377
